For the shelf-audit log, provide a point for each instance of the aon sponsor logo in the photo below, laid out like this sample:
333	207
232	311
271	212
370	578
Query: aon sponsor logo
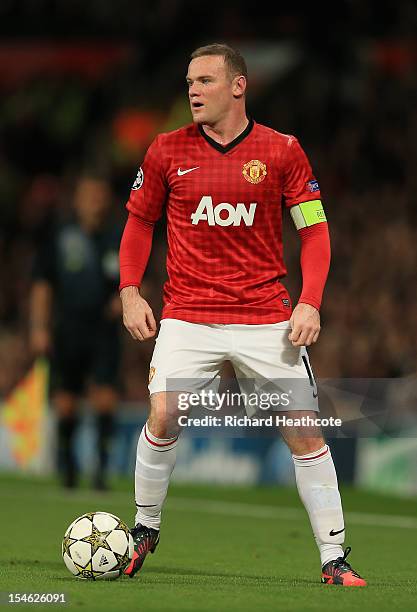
223	214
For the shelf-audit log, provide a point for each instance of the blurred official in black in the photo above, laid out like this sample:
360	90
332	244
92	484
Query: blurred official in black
74	318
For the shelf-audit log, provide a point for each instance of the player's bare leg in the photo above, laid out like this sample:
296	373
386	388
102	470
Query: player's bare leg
155	460
318	489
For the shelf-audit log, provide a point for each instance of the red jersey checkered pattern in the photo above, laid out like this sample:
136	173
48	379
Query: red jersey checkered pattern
224	214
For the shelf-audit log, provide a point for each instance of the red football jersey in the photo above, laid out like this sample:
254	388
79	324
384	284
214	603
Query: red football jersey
224	219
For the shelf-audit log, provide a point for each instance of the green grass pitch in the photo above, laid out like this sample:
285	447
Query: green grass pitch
222	549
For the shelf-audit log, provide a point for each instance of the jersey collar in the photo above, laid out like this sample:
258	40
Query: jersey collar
231	145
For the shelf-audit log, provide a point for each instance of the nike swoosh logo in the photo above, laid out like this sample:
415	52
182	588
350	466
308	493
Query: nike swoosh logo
181	172
333	533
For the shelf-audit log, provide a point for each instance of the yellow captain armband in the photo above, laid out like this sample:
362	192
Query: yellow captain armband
308	213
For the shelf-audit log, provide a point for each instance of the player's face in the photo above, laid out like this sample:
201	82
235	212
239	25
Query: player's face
92	201
211	89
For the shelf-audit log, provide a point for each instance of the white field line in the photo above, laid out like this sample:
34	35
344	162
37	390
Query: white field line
276	512
210	506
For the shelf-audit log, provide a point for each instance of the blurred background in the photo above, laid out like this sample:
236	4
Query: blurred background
85	87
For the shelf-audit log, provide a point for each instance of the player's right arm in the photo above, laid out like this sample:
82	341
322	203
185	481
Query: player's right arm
147	198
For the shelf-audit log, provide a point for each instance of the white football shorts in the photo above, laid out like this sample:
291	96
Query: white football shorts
188	357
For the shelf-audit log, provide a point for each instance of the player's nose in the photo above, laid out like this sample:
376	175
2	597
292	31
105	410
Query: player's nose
193	90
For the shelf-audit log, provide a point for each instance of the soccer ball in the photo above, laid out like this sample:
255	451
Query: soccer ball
97	546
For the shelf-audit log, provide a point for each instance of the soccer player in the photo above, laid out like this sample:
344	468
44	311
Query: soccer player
224	180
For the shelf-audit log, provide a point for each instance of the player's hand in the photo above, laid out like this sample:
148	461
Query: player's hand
137	314
114	308
305	325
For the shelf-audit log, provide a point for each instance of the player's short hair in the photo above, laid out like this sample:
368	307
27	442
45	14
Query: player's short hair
233	59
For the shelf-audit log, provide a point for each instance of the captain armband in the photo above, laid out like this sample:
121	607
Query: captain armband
308	213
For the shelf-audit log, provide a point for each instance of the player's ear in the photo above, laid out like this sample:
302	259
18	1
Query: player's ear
239	86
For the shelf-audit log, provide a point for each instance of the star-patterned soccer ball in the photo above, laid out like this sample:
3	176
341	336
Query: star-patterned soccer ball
97	546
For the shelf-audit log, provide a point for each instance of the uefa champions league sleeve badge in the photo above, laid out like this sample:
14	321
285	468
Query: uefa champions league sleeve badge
138	180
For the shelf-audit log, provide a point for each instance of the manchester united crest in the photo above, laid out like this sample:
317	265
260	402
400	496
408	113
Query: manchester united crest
254	171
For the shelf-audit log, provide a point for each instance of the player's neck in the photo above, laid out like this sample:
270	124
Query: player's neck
90	226
227	130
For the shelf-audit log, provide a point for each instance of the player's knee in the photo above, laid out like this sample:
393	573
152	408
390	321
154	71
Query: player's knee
163	420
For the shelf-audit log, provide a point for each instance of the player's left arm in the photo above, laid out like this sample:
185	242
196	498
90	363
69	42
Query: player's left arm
302	195
315	263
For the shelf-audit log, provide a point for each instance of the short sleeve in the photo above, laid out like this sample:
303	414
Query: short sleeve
299	183
150	189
